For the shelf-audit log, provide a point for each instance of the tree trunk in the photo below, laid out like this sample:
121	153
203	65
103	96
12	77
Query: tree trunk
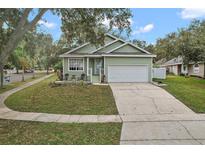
22	27
33	69
23	75
2	75
33	74
47	68
17	71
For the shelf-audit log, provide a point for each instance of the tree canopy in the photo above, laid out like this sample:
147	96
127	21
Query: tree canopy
78	26
189	43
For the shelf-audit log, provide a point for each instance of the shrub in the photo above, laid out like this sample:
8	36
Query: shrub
83	77
60	75
58	66
66	76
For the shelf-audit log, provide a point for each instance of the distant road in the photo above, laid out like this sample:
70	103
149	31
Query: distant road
18	77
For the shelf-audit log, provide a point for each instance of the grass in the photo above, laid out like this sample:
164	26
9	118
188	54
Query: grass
16	84
24	132
190	91
69	99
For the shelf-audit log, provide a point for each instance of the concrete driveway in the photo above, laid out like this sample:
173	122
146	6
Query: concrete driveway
151	115
145	98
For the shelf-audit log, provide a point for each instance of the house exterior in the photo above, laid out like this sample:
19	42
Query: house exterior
177	67
116	61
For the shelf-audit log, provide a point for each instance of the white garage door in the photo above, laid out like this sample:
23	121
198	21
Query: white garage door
128	73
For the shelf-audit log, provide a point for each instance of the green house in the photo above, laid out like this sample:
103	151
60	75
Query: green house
116	61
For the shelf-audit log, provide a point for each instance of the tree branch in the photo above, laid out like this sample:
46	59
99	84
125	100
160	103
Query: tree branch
36	19
24	17
19	32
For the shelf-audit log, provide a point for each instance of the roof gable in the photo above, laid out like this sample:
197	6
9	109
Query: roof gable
128	48
174	61
88	48
112	45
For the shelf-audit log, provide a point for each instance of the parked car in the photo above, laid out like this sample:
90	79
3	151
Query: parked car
29	71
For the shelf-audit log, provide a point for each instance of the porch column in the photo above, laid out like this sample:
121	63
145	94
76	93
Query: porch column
87	66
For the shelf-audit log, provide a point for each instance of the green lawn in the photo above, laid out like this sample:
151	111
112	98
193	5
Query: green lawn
16	84
191	91
69	99
24	132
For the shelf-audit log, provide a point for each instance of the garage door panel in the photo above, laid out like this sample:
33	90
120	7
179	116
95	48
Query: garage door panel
128	73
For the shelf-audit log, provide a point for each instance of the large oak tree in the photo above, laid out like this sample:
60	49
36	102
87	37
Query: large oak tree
83	24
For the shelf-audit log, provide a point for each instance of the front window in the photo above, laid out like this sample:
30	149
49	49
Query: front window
196	68
76	64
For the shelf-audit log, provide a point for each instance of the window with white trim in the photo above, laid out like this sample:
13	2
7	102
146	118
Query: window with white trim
76	64
196	68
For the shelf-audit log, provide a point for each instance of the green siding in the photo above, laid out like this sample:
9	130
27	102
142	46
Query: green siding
78	73
110	47
96	78
128	61
89	48
86	49
110	61
127	49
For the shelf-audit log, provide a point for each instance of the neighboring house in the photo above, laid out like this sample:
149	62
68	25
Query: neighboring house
176	66
116	61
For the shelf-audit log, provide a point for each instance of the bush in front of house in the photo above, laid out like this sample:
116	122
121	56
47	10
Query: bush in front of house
58	66
83	76
66	76
60	75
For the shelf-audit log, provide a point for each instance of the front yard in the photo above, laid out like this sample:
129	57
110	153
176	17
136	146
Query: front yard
24	132
190	91
67	99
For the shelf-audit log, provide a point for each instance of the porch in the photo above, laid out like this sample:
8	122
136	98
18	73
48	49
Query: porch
89	69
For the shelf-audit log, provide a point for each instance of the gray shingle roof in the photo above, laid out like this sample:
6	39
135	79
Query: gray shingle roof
110	47
174	61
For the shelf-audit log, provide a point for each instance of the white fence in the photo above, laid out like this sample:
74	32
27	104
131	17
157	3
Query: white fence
159	73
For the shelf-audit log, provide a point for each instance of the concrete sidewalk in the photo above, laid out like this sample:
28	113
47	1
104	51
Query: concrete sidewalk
6	113
151	115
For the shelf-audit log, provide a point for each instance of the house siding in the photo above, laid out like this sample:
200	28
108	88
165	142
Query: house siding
95	77
201	70
182	69
173	69
76	73
89	48
127	49
128	61
110	47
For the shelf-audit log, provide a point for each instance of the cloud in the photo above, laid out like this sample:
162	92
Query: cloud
47	24
192	13
106	22
131	21
145	29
